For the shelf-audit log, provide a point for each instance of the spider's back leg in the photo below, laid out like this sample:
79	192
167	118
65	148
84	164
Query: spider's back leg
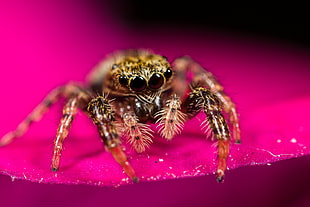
69	112
76	97
36	115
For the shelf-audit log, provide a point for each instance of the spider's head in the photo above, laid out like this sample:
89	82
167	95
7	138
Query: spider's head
142	73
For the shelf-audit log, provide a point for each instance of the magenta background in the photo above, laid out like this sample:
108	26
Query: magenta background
44	45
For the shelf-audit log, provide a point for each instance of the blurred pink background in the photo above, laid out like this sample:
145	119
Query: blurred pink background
44	45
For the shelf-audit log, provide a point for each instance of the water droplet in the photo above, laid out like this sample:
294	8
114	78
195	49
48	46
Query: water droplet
160	160
116	185
293	140
125	180
279	140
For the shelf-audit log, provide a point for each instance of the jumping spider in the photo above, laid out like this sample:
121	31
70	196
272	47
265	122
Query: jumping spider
138	87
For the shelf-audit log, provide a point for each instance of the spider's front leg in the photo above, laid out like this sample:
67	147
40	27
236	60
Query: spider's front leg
201	77
103	116
203	99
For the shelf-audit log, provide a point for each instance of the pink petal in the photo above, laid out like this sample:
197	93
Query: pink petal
267	137
268	83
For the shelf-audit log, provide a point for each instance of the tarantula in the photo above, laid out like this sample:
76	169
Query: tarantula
138	87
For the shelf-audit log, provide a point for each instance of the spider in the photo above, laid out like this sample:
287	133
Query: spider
139	87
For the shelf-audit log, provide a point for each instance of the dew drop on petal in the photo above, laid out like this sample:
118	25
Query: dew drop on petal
13	178
293	140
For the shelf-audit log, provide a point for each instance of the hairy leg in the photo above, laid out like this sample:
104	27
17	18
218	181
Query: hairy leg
170	118
139	135
103	117
35	115
65	91
75	96
69	112
203	99
201	77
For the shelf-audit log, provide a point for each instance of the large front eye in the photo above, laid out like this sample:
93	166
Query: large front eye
156	81
137	83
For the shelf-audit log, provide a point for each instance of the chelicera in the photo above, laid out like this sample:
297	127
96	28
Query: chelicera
136	88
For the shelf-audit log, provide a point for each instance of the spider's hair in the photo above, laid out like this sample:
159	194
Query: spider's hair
170	118
138	135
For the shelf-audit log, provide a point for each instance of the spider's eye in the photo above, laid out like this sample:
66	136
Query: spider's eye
114	66
123	80
168	73
156	81
137	83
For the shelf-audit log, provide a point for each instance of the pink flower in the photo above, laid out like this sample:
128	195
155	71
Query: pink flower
268	83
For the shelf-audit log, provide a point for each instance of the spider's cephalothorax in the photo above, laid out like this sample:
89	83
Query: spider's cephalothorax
140	74
138	87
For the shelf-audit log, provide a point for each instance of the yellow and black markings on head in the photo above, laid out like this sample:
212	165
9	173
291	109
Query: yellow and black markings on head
142	71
